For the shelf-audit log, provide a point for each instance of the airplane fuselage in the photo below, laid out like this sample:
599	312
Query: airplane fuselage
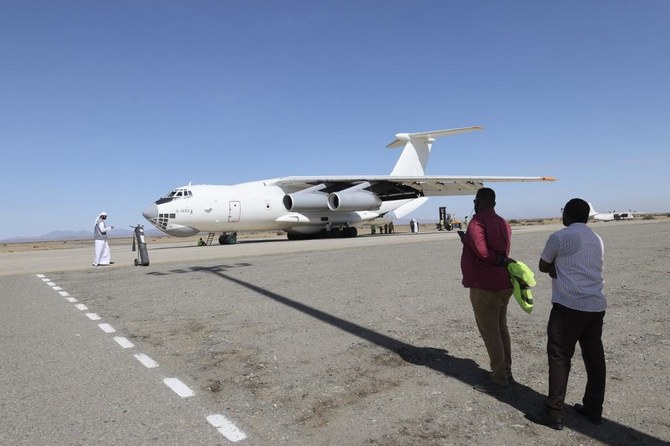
253	206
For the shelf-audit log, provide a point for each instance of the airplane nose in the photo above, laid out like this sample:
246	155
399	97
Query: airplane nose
151	212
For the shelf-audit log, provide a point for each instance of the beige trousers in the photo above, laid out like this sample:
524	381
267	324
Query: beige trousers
490	308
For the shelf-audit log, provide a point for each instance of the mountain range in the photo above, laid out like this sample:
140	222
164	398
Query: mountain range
76	235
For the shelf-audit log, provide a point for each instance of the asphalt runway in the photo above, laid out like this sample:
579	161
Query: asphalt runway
344	341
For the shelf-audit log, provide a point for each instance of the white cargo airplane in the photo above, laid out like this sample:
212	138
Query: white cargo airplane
315	206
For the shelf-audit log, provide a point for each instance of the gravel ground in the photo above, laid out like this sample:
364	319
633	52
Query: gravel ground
378	346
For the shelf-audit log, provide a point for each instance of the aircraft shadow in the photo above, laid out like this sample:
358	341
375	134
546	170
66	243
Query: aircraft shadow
521	397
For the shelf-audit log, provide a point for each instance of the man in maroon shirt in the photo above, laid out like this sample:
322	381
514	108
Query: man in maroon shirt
486	247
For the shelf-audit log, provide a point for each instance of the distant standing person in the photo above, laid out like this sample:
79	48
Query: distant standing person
486	247
102	253
573	258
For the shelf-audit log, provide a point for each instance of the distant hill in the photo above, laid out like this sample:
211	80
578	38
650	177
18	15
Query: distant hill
76	235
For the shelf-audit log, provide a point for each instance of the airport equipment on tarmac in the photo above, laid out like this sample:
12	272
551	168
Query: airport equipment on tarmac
448	221
142	253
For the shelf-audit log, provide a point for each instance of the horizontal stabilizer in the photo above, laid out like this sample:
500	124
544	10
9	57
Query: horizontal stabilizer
403	138
406	209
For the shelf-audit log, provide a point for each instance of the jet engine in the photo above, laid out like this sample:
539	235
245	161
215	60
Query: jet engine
306	201
353	201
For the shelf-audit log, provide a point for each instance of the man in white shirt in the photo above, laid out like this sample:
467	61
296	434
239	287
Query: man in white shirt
573	258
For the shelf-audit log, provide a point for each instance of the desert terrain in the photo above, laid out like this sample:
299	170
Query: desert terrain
376	344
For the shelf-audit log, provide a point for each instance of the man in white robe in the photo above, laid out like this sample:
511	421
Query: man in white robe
102	254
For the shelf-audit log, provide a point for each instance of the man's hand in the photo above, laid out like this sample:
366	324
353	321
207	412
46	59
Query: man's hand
548	268
502	260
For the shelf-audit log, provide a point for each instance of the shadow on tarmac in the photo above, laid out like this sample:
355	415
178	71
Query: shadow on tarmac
521	397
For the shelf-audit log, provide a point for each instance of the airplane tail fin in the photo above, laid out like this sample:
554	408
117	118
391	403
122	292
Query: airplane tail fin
414	156
592	211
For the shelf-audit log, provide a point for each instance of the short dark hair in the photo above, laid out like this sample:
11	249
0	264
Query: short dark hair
486	194
577	210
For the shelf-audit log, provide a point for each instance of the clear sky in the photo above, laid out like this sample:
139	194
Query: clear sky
108	105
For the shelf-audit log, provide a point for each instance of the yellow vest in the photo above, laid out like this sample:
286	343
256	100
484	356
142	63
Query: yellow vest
522	279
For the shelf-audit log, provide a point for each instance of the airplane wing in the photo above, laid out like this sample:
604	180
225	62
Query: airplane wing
391	187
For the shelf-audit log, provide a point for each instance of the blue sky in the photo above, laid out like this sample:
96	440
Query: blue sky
109	105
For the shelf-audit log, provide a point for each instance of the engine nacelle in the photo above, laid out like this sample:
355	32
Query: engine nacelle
306	201
353	201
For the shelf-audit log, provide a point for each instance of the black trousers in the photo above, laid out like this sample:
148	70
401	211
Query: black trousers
566	328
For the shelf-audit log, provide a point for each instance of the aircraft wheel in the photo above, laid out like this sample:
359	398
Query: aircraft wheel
296	236
228	239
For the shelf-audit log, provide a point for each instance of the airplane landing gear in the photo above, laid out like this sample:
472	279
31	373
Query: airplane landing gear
344	232
228	238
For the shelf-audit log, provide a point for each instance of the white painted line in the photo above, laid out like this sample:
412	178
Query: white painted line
178	387
81	307
146	361
123	342
40	275
93	316
46	280
56	288
64	293
71	299
226	428
51	284
106	328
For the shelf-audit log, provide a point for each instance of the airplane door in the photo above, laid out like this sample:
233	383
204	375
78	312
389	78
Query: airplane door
233	212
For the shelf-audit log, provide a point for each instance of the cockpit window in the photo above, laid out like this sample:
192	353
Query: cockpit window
179	193
175	194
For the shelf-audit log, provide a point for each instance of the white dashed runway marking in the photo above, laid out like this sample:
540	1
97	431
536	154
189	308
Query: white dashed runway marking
146	361
225	427
178	387
123	342
107	328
